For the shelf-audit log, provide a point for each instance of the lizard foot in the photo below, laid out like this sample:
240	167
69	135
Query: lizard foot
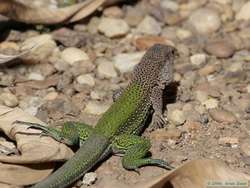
158	121
46	131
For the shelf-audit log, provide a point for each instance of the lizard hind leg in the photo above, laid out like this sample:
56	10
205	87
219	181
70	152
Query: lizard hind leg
135	149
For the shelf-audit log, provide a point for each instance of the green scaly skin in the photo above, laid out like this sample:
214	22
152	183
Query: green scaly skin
118	129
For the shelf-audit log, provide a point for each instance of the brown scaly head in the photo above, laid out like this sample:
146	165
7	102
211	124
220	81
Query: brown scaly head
156	66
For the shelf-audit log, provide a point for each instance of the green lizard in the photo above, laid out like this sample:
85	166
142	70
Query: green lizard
117	131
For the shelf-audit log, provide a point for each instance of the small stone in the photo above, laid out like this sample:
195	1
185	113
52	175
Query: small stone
221	116
9	99
133	16
163	135
113	27
232	141
42	46
245	147
235	67
211	103
72	55
198	59
205	21
149	26
126	62
89	178
169	5
244	13
35	76
93	25
221	49
201	96
51	96
183	34
97	95
87	79
208	69
82	67
106	69
145	42
177	117
95	108
113	11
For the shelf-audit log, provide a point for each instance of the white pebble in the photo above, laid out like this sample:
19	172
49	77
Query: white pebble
89	178
205	21
72	55
211	103
35	76
198	59
106	69
126	62
113	27
87	79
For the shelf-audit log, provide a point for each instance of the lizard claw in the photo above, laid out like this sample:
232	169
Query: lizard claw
158	121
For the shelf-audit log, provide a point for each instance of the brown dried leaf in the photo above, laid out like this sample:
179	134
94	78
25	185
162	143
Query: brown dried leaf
23	174
195	174
39	15
6	58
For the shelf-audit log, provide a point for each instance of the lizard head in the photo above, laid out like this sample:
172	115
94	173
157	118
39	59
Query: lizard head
156	66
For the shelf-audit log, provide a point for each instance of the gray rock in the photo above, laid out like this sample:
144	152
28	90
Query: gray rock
221	49
205	20
149	26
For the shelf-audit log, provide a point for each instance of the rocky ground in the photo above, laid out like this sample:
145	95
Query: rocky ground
73	75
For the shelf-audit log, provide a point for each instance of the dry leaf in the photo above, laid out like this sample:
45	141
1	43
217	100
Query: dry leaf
5	185
33	148
24	175
7	58
195	174
40	15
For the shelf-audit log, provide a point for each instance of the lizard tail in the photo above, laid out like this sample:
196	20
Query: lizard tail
84	159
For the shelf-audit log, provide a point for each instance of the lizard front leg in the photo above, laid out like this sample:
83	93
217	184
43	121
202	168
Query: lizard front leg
135	149
72	133
157	103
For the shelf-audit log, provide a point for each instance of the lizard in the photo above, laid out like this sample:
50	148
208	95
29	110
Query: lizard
118	130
